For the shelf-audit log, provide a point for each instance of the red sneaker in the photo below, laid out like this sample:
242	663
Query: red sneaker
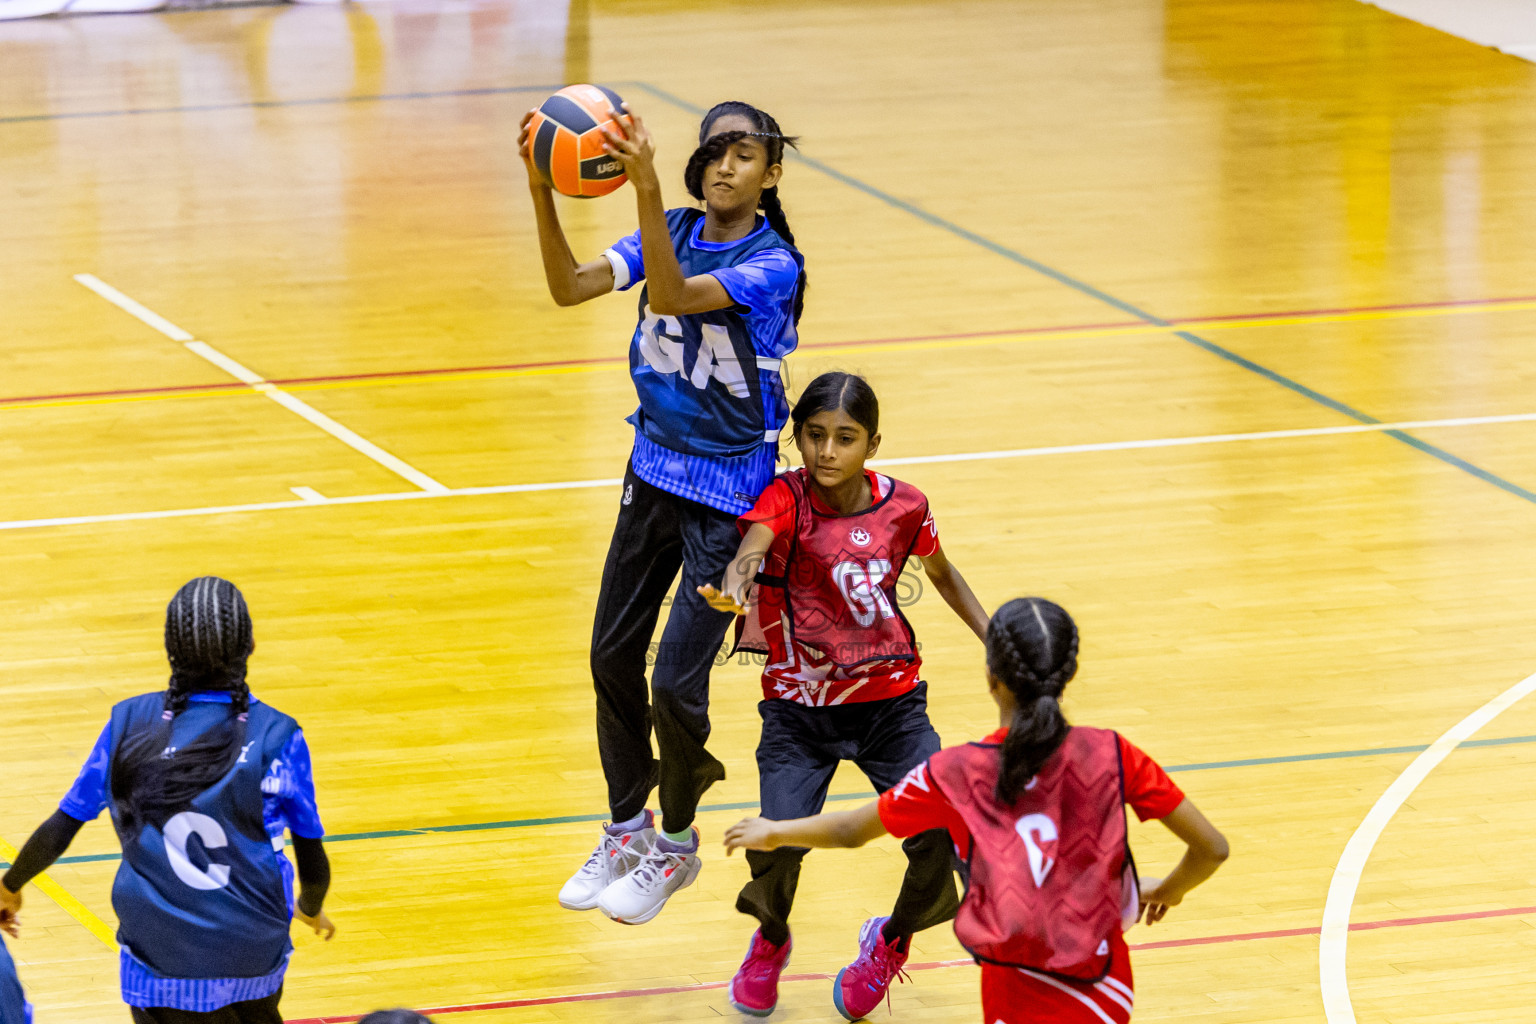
755	989
862	984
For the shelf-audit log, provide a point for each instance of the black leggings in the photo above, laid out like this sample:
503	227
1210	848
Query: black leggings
253	1011
656	534
796	758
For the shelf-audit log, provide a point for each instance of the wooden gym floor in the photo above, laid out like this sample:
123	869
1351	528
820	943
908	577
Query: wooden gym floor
1065	233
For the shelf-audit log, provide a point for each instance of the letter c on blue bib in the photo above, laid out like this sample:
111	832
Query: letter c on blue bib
176	833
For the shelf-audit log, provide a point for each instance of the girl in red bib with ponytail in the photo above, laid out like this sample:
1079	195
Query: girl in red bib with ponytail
826	545
1036	812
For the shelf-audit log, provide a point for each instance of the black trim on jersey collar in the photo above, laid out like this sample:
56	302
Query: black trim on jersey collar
847	515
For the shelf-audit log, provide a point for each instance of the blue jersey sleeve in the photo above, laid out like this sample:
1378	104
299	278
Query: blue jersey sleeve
87	798
628	266
289	791
764	283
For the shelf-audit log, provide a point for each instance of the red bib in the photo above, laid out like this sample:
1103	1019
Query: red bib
1050	878
838	575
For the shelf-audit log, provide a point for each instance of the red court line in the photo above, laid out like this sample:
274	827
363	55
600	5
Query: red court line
1443	304
810	346
705	986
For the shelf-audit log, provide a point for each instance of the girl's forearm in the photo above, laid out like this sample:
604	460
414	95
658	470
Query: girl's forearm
739	576
559	264
1194	868
823	831
958	595
743	568
314	869
663	274
45	846
840	829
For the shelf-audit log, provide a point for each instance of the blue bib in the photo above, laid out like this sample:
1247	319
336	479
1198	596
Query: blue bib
206	896
14	1008
702	388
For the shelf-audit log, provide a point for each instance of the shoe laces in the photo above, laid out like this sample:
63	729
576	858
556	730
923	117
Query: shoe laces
885	968
762	962
653	867
609	847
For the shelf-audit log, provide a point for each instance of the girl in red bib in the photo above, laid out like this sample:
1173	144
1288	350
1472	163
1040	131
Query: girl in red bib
826	546
1036	812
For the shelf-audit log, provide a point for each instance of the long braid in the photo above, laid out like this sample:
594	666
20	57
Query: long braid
208	641
713	147
1032	649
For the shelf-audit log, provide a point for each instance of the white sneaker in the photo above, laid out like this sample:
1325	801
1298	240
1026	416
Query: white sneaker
618	853
639	896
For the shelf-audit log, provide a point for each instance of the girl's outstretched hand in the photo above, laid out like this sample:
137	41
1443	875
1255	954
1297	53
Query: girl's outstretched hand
721	601
749	834
1155	903
525	150
10	912
628	141
320	923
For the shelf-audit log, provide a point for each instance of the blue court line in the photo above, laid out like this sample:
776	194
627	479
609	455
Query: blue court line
318	101
573	819
1125	307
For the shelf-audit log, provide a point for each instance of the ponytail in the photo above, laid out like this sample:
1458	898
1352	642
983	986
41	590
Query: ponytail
712	147
1032	650
208	641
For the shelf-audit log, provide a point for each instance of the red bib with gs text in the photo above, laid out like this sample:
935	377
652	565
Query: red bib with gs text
838	575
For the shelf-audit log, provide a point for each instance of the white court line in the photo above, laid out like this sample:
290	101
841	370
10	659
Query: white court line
308	493
258	383
1332	947
1012	453
266	506
1180	442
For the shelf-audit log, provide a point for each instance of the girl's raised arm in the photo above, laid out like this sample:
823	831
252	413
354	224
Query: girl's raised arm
956	592
732	595
1207	850
669	293
570	283
827	831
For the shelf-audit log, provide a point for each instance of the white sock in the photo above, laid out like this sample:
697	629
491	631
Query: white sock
633	824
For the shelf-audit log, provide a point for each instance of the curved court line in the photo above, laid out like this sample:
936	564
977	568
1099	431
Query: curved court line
1392	429
1333	943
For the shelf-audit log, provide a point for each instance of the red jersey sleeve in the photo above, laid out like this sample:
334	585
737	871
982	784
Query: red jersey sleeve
916	805
775	509
927	538
1148	789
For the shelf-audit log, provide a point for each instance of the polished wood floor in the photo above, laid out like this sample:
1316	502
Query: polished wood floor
1033	226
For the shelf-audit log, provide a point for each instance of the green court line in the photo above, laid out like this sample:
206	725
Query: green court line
575	819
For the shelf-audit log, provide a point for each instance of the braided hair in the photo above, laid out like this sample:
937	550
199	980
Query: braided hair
712	148
208	641
1032	650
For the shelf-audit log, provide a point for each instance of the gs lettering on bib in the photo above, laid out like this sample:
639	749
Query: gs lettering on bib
1049	878
838	575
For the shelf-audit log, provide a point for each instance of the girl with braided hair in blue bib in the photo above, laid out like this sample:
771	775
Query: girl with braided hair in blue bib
202	779
723	290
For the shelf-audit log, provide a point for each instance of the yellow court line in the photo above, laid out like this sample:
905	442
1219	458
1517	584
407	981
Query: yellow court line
813	350
73	907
